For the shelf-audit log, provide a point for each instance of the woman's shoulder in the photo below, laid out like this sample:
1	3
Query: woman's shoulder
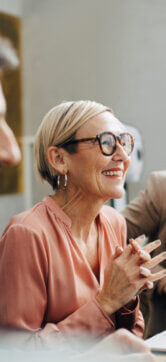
42	220
31	219
23	239
114	225
112	215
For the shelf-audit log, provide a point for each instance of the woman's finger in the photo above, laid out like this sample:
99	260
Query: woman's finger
149	284
135	246
152	246
140	239
118	252
157	276
156	260
136	242
143	256
144	272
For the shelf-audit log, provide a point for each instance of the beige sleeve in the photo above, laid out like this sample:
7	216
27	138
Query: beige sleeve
143	213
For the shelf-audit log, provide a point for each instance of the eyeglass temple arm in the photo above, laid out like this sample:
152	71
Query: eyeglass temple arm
79	140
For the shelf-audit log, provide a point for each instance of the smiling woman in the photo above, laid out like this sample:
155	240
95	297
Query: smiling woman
65	262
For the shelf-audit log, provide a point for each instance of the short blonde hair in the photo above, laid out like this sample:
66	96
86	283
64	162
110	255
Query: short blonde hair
58	126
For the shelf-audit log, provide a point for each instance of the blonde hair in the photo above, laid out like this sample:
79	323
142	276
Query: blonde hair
59	125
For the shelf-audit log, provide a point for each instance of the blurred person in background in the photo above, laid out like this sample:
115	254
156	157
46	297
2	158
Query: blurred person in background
66	272
9	150
147	214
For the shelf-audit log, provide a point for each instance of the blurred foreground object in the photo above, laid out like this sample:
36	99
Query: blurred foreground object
11	113
120	346
9	149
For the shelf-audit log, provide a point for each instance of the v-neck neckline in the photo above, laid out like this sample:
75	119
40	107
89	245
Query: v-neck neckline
76	246
52	204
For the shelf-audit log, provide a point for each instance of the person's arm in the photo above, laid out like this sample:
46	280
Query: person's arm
143	213
23	291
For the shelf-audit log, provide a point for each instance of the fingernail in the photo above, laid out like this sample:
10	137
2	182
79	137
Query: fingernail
133	241
144	271
150	285
141	253
158	242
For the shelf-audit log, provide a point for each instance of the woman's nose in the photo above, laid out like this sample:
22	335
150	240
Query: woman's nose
9	149
120	153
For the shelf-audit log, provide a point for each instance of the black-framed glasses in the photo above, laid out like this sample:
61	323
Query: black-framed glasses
107	142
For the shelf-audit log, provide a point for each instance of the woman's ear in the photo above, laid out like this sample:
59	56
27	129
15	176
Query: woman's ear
56	158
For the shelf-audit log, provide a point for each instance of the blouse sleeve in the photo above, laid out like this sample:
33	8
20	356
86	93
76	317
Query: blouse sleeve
131	319
23	291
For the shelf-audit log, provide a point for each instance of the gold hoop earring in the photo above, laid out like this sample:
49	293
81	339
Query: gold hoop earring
58	181
65	181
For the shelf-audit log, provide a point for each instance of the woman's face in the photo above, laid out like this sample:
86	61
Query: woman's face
89	170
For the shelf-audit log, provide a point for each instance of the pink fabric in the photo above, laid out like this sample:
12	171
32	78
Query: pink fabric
47	285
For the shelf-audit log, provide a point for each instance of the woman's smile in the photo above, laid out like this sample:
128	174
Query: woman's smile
113	172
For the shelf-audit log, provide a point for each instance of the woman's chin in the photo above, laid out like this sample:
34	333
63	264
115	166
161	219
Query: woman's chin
116	194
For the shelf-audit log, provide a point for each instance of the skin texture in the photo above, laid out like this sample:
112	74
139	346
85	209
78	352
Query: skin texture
9	149
87	190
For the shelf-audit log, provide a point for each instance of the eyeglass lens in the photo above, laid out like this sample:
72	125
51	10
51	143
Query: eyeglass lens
108	143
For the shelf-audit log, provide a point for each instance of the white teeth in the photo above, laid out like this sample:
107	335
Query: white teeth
113	173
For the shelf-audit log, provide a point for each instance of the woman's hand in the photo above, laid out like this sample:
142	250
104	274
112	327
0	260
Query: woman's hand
128	273
149	263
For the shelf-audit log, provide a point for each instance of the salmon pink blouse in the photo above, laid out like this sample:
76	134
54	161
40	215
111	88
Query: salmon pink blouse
46	284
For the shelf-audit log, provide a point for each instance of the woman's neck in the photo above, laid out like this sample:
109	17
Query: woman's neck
81	209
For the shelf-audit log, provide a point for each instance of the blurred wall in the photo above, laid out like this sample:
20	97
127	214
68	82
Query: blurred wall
62	58
13	7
